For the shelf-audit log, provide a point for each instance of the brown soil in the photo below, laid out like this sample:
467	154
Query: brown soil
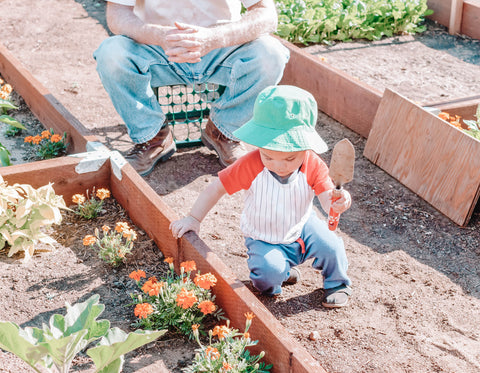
416	302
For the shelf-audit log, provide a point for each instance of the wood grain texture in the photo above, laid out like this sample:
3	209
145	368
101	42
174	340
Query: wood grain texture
456	13
339	95
470	15
435	160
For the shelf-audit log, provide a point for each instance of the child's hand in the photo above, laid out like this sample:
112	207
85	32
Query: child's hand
182	226
343	203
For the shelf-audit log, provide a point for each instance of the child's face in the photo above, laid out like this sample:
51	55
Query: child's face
282	163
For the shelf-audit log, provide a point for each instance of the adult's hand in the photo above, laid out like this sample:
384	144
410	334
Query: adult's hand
189	43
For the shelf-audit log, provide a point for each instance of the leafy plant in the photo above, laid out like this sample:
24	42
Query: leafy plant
175	301
111	247
25	214
58	343
90	207
229	353
324	21
5	105
48	144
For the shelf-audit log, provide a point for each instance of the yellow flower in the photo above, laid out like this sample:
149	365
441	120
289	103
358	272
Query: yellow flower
103	193
89	240
78	199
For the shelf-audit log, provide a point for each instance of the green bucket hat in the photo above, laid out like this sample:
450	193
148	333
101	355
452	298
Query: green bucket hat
284	119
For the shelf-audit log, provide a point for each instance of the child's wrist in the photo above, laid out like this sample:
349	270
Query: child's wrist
194	218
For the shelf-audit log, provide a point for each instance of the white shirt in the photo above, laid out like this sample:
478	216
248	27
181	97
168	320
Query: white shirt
195	12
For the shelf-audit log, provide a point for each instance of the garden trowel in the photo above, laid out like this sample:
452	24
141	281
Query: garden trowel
341	172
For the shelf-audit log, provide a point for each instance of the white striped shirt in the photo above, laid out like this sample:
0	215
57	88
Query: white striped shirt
275	212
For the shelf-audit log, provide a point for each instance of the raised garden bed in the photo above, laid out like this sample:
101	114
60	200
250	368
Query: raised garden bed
136	197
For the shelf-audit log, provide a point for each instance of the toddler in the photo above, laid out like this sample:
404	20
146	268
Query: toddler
280	179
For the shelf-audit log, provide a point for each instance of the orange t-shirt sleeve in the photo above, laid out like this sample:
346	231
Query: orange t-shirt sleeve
317	173
240	175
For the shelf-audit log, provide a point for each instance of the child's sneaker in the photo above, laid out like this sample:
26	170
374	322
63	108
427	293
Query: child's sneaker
295	276
336	297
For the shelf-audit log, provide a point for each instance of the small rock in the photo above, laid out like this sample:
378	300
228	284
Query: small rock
314	336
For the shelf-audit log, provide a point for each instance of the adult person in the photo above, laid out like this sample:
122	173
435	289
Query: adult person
163	42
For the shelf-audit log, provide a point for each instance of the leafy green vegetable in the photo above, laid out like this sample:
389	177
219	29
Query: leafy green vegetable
324	21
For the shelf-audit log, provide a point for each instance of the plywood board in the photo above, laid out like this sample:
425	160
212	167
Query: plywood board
338	94
432	158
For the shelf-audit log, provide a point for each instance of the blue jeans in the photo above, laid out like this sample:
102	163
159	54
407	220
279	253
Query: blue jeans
270	264
128	70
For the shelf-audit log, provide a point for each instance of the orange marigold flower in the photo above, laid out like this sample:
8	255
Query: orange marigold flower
28	139
205	281
186	299
169	260
130	234
249	315
221	331
188	266
122	226
103	193
105	228
78	199
444	116
4	95
45	134
246	335
7	88
226	366
142	310
207	307
89	240
137	275
36	140
56	138
212	352
152	286
195	327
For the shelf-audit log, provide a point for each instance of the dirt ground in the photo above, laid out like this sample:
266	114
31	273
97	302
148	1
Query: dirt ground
415	273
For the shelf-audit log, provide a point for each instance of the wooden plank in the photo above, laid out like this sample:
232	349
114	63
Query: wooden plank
43	104
149	212
432	158
465	107
339	95
59	171
470	16
455	22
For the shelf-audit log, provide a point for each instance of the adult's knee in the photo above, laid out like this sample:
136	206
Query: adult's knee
112	55
272	57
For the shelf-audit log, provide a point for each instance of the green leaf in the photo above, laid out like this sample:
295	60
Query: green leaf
7	104
12	341
117	343
11	121
4	156
63	350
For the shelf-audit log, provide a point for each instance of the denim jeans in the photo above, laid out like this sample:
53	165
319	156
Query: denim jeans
129	70
270	264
